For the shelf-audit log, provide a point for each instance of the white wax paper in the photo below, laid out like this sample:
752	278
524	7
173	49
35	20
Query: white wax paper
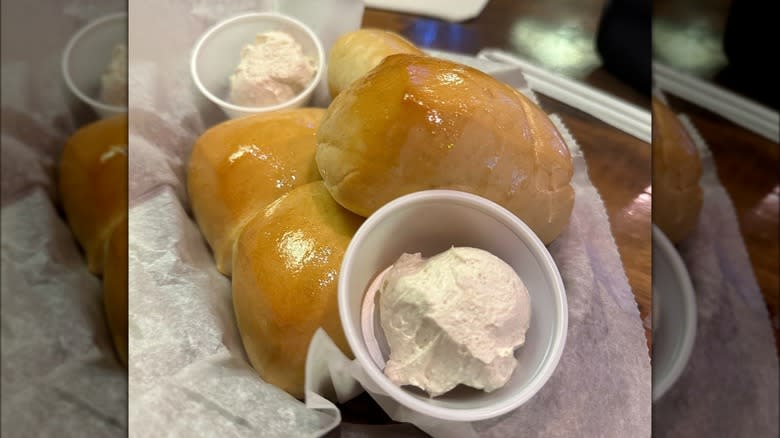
730	384
60	376
189	374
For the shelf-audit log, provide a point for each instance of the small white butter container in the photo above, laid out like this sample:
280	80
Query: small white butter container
431	222
674	314
86	56
218	52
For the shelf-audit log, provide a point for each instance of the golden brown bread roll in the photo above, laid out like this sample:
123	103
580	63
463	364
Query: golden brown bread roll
115	288
417	123
240	166
285	277
93	189
93	184
356	53
677	196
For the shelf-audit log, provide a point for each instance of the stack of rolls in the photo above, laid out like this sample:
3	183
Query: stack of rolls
92	180
278	196
261	205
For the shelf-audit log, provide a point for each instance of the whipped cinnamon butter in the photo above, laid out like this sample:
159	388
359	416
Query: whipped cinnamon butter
273	69
455	318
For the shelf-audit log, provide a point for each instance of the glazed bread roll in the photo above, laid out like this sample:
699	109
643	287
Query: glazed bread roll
93	189
356	53
677	196
115	288
285	277
93	184
417	122
240	166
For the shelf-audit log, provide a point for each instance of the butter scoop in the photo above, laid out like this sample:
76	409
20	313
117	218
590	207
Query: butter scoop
272	70
453	319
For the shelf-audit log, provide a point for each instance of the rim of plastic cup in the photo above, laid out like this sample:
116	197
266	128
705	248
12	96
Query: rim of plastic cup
65	64
686	290
537	249
257	109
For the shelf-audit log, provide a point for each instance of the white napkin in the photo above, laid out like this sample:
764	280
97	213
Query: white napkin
448	10
730	384
60	376
189	374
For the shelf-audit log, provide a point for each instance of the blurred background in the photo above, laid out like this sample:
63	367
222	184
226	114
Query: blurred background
558	35
710	66
727	42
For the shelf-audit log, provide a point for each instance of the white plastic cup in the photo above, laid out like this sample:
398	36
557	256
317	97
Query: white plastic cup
218	52
674	315
431	222
86	57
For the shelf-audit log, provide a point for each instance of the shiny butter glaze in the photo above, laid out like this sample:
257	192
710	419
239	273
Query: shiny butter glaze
285	281
93	184
240	166
418	122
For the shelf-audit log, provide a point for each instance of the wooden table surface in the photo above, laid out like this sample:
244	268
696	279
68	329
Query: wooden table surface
618	164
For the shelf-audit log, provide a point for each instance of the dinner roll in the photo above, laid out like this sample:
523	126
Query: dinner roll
241	165
93	184
115	288
677	196
417	122
285	278
355	53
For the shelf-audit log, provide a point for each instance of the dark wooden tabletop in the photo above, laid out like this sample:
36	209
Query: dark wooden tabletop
618	164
